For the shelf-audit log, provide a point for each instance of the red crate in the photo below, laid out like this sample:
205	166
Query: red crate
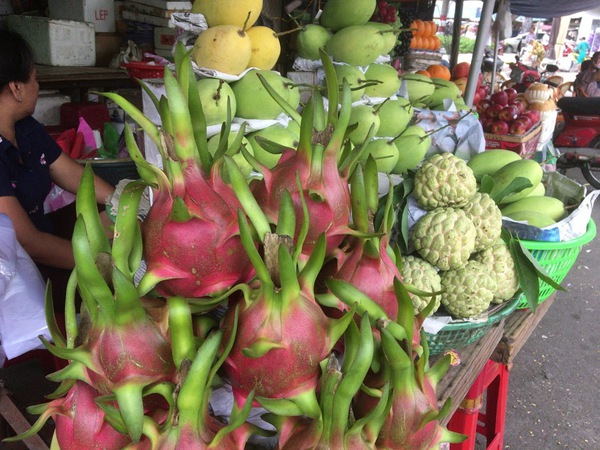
471	419
524	145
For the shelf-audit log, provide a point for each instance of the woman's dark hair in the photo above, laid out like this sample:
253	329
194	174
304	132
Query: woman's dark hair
586	65
16	58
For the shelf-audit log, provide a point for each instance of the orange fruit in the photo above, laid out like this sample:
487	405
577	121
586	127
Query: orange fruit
420	26
424	72
439	71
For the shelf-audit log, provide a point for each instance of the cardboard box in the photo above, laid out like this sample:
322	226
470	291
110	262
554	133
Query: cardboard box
108	45
524	145
99	12
57	42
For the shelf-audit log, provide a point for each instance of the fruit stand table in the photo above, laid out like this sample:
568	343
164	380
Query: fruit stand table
484	369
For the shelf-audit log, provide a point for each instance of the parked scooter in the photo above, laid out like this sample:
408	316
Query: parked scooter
581	130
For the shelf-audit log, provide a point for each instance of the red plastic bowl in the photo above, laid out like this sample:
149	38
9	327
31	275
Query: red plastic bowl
143	70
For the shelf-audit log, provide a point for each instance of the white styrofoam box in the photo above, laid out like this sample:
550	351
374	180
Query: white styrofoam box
57	42
47	108
99	12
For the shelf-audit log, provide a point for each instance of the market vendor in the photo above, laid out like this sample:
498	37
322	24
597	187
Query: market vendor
30	160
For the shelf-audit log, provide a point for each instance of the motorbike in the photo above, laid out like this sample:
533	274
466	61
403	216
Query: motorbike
581	130
524	76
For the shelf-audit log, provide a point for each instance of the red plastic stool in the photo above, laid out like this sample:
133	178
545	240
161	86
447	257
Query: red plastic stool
470	419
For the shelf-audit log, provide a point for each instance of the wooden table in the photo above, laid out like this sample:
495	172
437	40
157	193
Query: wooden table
78	80
500	344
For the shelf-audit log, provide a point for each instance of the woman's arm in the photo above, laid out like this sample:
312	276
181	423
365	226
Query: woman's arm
66	173
43	248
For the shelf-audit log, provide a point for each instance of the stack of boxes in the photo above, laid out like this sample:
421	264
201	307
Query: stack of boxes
148	23
71	34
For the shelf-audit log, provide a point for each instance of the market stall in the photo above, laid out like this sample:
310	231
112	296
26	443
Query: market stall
317	258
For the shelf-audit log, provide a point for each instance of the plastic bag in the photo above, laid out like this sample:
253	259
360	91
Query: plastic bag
22	318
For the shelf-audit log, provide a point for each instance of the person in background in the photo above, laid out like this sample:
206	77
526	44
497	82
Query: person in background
582	50
30	161
586	81
596	60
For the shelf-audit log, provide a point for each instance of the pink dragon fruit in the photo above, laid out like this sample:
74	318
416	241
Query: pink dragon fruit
191	241
315	166
335	427
365	262
283	333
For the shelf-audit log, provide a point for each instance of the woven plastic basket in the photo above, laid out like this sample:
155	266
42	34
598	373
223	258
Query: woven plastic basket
556	258
455	336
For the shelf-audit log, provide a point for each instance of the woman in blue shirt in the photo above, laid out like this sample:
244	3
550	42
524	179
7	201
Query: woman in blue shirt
30	161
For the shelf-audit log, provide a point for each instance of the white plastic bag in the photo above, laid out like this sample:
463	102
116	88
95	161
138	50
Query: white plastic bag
22	318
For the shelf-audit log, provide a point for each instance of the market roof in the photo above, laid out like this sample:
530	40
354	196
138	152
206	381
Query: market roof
550	8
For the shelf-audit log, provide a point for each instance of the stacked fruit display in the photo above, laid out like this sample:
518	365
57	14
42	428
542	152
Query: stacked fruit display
456	244
232	43
424	37
276	255
504	112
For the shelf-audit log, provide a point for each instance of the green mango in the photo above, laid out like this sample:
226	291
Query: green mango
533	218
549	206
310	39
357	45
338	14
489	161
522	168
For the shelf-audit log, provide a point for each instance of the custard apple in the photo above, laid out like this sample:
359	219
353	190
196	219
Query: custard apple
501	265
486	217
444	237
423	276
444	180
467	291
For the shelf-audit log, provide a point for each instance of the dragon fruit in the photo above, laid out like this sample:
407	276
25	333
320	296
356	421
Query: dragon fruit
366	262
316	162
191	238
121	350
413	417
283	332
335	427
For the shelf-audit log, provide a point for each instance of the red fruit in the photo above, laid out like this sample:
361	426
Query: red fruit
509	113
485	123
512	94
519	126
482	92
533	115
520	106
500	98
461	70
80	422
476	99
499	127
493	111
483	105
485	87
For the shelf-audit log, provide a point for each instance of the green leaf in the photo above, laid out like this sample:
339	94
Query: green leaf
516	185
486	185
528	279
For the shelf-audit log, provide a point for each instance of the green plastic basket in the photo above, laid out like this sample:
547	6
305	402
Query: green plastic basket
556	258
455	336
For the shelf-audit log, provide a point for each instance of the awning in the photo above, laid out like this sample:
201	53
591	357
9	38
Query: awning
550	8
